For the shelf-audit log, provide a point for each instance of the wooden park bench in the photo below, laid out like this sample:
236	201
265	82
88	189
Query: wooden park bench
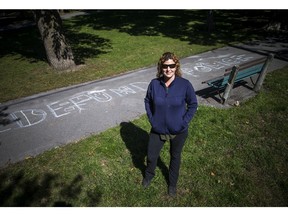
240	72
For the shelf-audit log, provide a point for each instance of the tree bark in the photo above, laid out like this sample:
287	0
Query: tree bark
210	22
59	53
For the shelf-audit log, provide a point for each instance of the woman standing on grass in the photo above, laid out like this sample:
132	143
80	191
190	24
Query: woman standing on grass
170	105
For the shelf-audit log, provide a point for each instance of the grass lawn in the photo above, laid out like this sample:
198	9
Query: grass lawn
114	42
232	157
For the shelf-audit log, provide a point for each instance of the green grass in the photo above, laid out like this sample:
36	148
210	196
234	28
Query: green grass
232	157
115	42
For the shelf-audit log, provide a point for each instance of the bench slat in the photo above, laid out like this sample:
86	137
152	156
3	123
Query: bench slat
242	74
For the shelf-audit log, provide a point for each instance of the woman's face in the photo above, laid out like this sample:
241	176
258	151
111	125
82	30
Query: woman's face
169	68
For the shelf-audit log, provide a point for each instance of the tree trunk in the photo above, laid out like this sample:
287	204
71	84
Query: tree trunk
59	53
210	22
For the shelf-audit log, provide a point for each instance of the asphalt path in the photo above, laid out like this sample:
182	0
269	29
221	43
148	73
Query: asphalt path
52	119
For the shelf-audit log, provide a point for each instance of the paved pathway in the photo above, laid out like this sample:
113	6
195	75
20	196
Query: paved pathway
55	118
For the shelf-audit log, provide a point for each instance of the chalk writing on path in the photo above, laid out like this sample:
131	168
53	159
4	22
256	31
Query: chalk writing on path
29	117
221	62
75	103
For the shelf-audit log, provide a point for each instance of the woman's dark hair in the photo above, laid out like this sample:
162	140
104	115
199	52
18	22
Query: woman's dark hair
165	57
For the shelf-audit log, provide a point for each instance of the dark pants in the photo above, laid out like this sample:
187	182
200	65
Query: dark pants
154	147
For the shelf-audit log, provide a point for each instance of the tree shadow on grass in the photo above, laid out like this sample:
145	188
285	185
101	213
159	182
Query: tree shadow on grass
26	44
17	190
85	45
136	141
185	25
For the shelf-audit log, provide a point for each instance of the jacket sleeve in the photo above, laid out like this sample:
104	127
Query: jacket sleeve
192	104
148	100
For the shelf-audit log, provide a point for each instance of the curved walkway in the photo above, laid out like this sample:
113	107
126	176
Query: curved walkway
47	120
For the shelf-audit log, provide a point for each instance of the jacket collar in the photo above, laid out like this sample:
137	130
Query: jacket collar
172	83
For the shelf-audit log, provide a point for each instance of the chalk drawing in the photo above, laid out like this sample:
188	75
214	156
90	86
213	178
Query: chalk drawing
202	67
76	103
59	108
79	102
123	90
100	95
220	62
236	59
29	117
4	130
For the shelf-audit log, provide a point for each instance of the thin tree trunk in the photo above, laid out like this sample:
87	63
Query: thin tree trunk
210	22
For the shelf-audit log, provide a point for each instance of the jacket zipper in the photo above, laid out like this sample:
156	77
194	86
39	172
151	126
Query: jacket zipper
166	91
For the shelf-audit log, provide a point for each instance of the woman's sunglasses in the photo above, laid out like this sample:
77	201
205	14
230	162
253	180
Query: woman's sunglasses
165	66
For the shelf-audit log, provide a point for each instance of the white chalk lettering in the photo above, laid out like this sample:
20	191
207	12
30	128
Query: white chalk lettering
123	90
202	67
29	117
59	109
235	59
100	95
221	63
77	103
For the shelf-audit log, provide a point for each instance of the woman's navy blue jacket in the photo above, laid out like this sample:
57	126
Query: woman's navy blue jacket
170	110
